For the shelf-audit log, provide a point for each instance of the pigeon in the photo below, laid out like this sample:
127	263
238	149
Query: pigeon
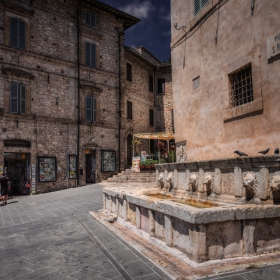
264	151
240	153
276	152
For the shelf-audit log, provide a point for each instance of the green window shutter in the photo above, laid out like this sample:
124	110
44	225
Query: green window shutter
89	109
93	56
22	99
21	39
14	98
87	53
94	109
14	32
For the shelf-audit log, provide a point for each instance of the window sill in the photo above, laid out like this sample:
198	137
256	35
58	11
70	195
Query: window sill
243	111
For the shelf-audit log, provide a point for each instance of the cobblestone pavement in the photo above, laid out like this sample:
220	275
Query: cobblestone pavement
52	236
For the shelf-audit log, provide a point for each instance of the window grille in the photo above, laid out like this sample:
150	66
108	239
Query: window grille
90	55
151	117
161	85
129	110
199	5
151	84
241	86
17	33
90	19
90	109
17	98
129	72
196	83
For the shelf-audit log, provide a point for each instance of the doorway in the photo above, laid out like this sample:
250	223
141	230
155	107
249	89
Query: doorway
17	168
129	150
91	168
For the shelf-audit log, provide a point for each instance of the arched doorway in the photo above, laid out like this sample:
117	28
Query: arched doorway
129	150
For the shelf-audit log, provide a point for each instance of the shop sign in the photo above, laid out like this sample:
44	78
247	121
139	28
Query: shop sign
143	155
135	164
273	45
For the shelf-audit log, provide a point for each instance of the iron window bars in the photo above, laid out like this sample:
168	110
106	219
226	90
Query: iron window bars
241	86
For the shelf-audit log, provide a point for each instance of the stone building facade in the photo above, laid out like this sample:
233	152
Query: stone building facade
225	66
62	92
148	90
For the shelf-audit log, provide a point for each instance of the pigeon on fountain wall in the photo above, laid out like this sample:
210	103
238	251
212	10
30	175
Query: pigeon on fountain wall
276	152
264	152
240	153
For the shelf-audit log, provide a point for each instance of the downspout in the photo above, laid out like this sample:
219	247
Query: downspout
120	103
79	109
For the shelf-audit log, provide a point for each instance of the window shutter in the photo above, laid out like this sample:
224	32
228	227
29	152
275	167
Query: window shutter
93	56
21	35
128	72
13	32
22	99
94	109
198	5
88	109
151	117
87	18
161	85
87	58
14	98
92	20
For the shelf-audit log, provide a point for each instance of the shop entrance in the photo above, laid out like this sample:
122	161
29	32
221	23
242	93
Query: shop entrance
17	168
90	167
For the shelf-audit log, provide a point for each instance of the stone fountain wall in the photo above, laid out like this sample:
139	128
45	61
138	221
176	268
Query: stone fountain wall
239	180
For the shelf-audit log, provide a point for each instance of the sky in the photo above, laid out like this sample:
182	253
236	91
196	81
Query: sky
153	31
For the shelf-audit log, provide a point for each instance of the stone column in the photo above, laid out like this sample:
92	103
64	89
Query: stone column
176	179
249	237
217	181
238	181
188	189
151	223
125	210
264	190
104	201
113	204
168	230
198	243
138	217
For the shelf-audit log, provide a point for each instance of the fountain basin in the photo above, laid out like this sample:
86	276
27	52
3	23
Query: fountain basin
219	232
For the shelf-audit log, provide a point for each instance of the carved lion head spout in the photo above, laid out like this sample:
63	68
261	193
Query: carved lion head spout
208	178
160	181
193	181
248	183
170	181
275	183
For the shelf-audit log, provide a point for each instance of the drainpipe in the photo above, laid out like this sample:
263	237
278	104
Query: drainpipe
120	96
79	109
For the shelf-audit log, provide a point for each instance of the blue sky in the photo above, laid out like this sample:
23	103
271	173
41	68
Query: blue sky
153	32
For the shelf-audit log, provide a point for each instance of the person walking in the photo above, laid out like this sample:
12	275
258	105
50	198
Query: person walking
5	182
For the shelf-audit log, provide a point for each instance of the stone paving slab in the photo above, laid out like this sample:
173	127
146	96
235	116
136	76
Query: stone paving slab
52	236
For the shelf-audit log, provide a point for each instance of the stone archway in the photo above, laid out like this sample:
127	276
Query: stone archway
129	152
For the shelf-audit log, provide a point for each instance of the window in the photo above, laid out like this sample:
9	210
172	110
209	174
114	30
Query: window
108	161
241	86
17	98
129	110
151	117
161	85
90	109
196	83
90	60
17	33
151	84
128	72
90	19
199	5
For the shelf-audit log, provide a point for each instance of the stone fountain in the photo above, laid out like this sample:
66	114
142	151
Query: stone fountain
210	210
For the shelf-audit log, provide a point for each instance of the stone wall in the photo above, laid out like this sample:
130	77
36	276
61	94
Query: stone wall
222	38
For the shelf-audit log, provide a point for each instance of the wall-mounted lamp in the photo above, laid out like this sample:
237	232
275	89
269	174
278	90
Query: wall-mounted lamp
92	139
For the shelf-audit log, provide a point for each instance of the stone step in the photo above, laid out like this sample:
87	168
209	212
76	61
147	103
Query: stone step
131	180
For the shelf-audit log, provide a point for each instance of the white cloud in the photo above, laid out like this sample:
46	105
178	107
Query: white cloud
138	10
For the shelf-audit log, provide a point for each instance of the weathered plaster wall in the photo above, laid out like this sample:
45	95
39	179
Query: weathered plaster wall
203	117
